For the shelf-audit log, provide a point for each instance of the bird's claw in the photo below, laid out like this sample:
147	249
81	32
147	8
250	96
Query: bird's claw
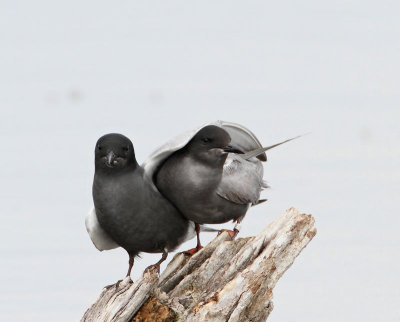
152	267
117	284
232	233
193	251
112	285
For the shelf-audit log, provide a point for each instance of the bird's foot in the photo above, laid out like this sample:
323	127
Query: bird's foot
112	285
193	251
232	233
117	284
155	267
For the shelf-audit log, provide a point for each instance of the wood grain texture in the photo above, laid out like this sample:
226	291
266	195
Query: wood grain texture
228	280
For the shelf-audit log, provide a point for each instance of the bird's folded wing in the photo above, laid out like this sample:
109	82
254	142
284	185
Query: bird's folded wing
241	180
155	159
98	236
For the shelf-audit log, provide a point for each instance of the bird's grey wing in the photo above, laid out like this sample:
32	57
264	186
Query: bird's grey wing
242	180
98	236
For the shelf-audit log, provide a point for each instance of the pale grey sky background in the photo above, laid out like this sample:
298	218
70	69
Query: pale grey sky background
71	71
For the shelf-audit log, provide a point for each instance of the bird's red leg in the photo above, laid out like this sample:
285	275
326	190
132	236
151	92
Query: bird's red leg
157	265
131	261
198	247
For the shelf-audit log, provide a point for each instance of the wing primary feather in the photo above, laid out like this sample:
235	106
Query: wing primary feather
254	153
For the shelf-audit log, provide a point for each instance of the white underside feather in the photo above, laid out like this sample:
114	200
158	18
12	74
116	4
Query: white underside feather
98	236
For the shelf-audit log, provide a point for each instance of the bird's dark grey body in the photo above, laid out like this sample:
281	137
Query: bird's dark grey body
216	175
134	214
129	210
207	180
191	183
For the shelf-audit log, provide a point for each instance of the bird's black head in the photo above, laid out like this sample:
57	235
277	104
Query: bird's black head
210	137
211	142
114	152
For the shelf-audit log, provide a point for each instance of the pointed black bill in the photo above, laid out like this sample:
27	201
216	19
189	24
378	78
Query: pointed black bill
110	159
233	149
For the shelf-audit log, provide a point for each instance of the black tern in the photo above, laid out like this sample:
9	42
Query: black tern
129	211
213	174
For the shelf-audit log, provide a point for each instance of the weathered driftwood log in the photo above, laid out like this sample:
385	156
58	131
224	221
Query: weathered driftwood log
229	280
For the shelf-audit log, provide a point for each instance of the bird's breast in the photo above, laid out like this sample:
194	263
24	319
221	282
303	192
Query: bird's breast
196	176
115	197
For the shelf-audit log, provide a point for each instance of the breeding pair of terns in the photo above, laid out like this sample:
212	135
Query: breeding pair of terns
210	175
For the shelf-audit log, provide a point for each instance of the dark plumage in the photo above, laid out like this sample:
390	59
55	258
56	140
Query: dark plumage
211	179
129	209
190	177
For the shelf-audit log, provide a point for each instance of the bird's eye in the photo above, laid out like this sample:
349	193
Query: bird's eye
125	148
206	140
99	147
